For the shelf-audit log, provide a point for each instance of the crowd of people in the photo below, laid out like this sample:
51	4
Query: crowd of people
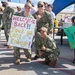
45	45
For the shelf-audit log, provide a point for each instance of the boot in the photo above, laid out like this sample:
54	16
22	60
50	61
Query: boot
9	46
29	59
47	61
17	61
53	63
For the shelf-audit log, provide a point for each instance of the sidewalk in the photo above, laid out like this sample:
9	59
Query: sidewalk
64	65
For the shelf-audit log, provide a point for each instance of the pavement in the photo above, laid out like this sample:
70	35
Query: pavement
64	64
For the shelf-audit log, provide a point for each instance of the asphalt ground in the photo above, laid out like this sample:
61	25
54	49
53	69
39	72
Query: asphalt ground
64	64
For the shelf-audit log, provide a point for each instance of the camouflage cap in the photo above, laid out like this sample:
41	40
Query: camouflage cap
28	4
43	29
40	3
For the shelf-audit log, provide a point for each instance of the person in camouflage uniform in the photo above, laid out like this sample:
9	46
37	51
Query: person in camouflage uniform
43	20
47	48
25	13
7	18
1	13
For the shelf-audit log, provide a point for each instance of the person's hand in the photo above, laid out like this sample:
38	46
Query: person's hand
40	53
43	48
38	17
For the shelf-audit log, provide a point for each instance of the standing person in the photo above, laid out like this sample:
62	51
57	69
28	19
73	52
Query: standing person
7	17
45	5
49	9
1	13
33	10
25	13
43	20
47	48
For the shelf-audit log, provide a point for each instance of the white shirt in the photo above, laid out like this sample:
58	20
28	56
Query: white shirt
52	15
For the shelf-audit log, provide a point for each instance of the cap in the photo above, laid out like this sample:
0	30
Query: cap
28	4
40	3
43	29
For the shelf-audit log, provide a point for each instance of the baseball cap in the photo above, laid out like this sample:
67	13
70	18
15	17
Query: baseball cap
40	3
28	4
43	29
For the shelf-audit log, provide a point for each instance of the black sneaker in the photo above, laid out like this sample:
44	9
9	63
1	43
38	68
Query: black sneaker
36	57
74	61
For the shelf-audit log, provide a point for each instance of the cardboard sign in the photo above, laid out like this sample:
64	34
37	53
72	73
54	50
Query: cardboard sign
22	32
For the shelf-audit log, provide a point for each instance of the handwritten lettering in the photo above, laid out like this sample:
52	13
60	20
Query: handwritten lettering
23	19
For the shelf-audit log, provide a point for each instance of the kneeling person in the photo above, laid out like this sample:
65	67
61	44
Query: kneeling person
47	48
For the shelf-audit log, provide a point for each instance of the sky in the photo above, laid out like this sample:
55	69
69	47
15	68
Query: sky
69	8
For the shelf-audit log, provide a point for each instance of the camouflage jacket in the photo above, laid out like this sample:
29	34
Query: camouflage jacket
7	16
49	43
45	21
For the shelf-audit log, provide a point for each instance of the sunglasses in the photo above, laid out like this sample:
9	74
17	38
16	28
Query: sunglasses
50	6
40	6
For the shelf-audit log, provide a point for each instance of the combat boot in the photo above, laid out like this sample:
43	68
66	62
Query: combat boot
9	46
47	61
17	61
29	59
53	63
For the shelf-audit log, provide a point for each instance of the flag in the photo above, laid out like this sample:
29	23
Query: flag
70	33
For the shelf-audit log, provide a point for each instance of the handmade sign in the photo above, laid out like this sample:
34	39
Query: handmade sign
22	32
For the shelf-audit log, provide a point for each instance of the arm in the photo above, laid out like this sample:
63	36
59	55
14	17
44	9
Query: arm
11	12
50	22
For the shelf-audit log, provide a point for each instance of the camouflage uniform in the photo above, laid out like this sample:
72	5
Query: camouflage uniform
16	49
52	51
7	17
45	21
1	13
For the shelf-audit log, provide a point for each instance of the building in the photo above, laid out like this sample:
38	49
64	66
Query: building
62	15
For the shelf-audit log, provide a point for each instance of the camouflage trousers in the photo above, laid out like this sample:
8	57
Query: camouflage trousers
17	52
50	55
0	25
6	32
